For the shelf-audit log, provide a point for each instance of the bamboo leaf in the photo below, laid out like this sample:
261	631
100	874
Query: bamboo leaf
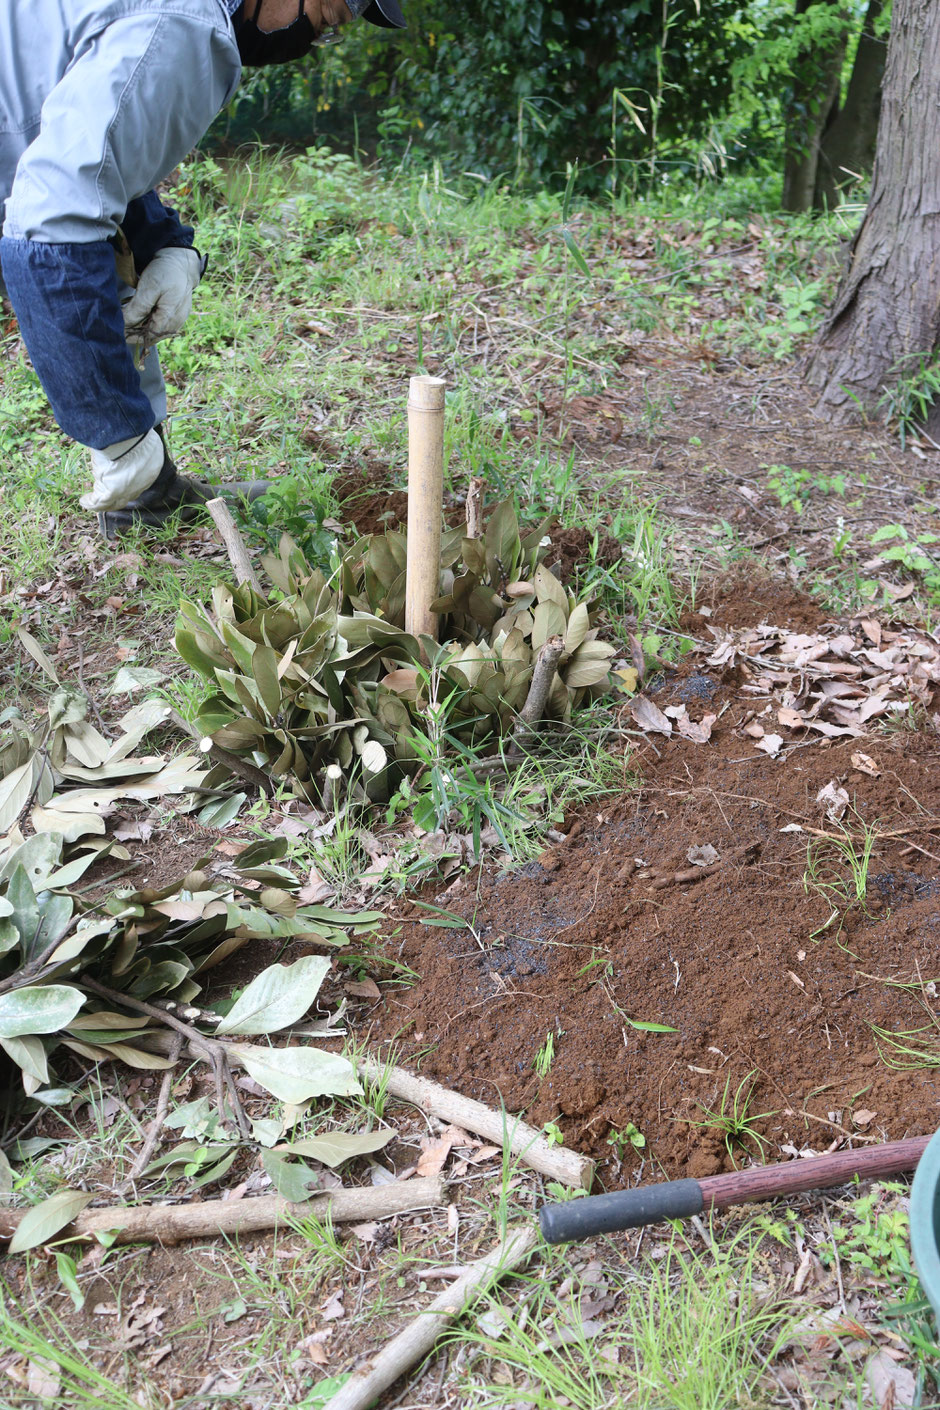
38	1008
334	1147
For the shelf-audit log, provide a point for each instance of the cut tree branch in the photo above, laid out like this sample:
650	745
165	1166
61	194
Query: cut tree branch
543	678
527	1144
234	544
170	1223
366	1384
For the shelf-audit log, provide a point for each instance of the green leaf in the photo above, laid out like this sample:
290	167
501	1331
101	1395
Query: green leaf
14	793
295	1074
572	246
29	1055
41	1223
323	1392
292	1179
647	1027
277	998
222	811
40	1008
68	1277
337	1146
264	670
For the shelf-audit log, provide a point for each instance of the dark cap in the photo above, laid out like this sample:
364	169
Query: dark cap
385	13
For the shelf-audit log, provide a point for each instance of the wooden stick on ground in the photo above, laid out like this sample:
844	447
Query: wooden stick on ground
529	1145
366	1384
169	1223
234	544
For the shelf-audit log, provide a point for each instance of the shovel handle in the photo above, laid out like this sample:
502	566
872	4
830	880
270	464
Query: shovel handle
624	1209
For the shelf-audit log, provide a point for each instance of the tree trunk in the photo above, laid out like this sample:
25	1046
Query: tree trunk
886	311
847	148
815	94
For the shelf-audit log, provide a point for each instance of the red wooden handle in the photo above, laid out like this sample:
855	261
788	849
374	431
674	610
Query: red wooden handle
815	1172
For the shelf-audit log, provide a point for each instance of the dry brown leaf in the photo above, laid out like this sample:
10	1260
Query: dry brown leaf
649	716
771	744
699	732
363	989
704	856
865	765
316	890
862	1117
890	1384
834	799
790	719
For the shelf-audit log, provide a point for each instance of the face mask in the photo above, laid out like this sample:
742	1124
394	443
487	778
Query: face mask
257	47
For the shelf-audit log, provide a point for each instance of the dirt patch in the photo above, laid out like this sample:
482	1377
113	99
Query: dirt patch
748	597
571	550
609	929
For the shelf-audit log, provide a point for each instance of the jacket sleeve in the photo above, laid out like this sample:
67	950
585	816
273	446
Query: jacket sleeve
149	226
135	99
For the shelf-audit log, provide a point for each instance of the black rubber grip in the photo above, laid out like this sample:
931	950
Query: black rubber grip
626	1209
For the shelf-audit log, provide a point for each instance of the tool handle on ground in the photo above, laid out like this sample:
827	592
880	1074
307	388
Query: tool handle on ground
625	1209
628	1209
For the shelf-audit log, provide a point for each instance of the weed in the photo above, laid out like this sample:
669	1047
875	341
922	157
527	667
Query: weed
629	1138
837	870
791	487
553	1134
913	388
734	1119
545	1057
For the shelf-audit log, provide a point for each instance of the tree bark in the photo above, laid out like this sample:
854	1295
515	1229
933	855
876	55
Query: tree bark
885	316
847	147
815	95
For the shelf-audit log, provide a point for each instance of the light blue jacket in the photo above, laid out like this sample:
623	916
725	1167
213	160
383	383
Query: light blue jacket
99	101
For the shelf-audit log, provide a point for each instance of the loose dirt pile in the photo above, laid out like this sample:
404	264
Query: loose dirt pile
738	955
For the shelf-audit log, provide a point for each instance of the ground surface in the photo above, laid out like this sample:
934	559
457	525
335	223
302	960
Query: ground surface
687	481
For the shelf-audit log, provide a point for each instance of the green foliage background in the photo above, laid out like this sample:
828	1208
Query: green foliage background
630	92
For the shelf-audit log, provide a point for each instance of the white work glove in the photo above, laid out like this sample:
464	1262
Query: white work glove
163	297
123	471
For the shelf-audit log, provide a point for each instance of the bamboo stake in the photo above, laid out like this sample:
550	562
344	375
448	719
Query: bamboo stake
425	500
529	1145
169	1223
367	1383
234	543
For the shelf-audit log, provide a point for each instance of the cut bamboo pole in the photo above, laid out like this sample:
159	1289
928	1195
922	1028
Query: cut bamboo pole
366	1384
234	543
529	1145
425	501
170	1223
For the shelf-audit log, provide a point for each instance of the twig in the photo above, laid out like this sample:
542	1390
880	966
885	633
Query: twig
543	678
156	1125
169	1223
475	507
246	771
379	1372
234	544
210	1049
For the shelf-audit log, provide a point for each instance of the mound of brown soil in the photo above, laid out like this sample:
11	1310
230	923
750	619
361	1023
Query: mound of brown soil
615	926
